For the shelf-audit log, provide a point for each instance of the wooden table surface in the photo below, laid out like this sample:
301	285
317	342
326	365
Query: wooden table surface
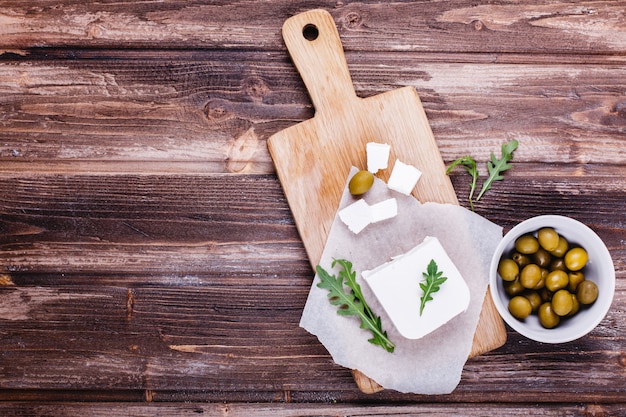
149	262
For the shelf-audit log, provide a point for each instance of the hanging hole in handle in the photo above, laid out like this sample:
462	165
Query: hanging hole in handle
310	32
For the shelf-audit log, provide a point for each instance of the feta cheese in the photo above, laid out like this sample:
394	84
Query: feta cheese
377	156
356	216
384	210
396	286
403	177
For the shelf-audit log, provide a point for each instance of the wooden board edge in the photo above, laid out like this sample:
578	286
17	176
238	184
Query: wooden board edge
495	334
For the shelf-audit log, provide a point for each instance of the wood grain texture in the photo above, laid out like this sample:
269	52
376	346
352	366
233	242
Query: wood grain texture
304	410
453	26
215	112
149	262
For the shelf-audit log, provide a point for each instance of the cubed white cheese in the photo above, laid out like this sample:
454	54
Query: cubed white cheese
403	177
356	216
384	210
377	156
396	286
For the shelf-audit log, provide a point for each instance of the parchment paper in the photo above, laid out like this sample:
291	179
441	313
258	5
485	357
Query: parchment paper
433	364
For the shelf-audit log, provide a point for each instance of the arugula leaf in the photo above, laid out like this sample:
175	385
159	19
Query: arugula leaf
433	282
470	166
497	166
352	303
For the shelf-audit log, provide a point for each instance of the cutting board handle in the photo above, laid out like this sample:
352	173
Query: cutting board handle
315	47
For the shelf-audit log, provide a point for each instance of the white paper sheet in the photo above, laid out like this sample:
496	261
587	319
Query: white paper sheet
433	364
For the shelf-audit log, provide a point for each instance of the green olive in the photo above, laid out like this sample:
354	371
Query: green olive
526	244
548	238
576	259
556	280
534	298
520	259
542	258
587	292
547	317
513	288
542	281
561	249
530	276
361	182
575	306
575	278
520	307
562	303
508	269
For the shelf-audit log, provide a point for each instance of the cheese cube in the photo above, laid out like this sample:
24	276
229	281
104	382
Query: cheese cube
403	177
396	286
356	216
377	156
384	210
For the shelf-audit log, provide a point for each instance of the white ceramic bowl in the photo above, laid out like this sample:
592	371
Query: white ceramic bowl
598	269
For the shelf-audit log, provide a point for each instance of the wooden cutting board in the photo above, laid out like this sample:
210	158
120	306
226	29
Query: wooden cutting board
313	158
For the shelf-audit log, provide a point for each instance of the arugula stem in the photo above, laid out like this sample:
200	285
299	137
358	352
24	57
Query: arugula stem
353	303
470	166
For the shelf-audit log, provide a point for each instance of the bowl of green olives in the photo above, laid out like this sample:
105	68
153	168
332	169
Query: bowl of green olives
552	279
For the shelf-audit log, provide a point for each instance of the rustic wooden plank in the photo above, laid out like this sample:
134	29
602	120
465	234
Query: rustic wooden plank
216	113
132	113
307	410
180	54
228	337
454	26
163	224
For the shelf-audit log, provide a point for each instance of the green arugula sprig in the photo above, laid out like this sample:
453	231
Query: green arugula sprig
431	284
352	303
470	166
495	168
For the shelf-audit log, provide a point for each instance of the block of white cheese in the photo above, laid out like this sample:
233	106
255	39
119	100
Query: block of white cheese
403	177
396	286
384	210
358	215
377	156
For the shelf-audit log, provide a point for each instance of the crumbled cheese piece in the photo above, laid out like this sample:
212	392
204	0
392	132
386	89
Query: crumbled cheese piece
384	210
396	286
356	216
377	156
403	177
